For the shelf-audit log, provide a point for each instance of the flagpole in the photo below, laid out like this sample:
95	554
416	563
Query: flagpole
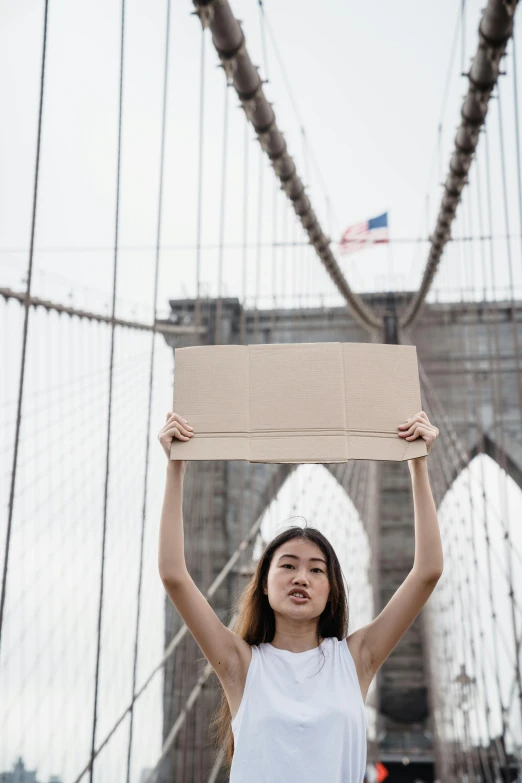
390	255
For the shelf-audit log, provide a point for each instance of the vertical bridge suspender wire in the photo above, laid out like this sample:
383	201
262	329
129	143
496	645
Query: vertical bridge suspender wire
244	254
517	133
197	313
229	41
151	383
222	220
516	346
109	411
25	327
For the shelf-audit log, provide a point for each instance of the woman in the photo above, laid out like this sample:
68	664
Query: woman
294	684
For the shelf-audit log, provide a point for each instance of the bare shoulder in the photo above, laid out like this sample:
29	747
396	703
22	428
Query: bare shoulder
359	653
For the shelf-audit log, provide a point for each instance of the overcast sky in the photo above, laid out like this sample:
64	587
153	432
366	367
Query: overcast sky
368	84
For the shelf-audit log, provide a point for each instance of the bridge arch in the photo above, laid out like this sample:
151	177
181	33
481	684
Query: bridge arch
479	595
504	452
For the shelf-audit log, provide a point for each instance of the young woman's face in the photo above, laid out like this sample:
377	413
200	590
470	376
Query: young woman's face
298	566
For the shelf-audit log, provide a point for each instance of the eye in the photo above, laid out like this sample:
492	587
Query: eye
287	564
318	569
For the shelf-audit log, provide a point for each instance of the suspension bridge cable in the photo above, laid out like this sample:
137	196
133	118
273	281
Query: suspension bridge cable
517	133
222	217
308	152
462	35
151	379
260	194
229	42
464	616
306	147
458	621
200	178
244	245
449	72
459	458
27	296
182	246
274	313
449	477
67	388
509	253
109	401
262	26
182	716
519	387
35	302
168	652
474	411
181	633
495	30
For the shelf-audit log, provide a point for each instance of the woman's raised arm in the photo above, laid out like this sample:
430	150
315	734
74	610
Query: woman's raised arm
222	648
378	638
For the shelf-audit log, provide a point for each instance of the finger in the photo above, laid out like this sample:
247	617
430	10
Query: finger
416	424
169	432
417	432
168	416
410	421
411	429
424	432
176	417
176	428
174	423
182	428
171	436
176	432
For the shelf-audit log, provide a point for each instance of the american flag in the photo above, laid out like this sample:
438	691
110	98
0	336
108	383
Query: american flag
361	235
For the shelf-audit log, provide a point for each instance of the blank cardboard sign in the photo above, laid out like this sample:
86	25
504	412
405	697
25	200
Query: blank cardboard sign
297	402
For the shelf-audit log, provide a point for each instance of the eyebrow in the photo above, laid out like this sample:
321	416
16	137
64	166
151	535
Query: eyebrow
310	558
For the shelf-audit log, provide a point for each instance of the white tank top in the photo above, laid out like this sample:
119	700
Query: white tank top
301	719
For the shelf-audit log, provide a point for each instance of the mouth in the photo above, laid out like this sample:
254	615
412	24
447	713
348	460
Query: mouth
302	598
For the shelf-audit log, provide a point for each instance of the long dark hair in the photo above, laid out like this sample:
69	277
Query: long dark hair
256	620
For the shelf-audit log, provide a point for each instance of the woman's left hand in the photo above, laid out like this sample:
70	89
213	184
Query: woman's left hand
419	426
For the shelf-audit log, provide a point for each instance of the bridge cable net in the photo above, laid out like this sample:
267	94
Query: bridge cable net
477	672
475	617
90	684
230	44
155	694
176	753
474	671
495	30
349	540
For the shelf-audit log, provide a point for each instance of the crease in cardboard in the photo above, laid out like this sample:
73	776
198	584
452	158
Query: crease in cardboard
297	431
408	443
343	375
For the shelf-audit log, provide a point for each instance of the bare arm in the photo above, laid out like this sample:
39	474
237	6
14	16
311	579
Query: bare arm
220	646
381	635
428	561
171	549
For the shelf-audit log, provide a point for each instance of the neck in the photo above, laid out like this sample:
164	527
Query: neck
295	641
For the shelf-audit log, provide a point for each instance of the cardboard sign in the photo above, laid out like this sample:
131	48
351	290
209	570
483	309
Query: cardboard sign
297	402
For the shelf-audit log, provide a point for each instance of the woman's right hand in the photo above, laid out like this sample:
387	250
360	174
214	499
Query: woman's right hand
175	427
